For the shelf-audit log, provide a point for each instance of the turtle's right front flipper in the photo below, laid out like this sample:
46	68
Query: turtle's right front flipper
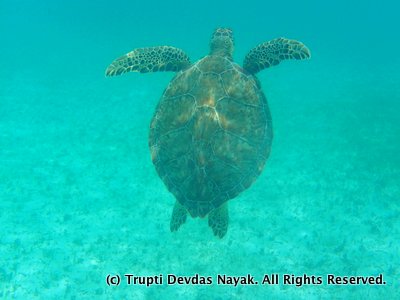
273	52
151	59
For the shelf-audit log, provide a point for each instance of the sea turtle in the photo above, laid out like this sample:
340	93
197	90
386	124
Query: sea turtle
211	132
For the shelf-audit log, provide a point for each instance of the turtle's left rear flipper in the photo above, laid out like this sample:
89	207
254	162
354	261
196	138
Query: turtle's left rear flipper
151	59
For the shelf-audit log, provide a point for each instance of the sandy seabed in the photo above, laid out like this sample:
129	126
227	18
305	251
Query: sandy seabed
80	198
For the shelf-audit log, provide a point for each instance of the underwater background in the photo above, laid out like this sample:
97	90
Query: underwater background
80	198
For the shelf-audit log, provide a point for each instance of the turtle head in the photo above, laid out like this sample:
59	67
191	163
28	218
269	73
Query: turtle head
222	42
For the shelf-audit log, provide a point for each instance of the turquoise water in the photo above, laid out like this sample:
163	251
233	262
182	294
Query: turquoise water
80	198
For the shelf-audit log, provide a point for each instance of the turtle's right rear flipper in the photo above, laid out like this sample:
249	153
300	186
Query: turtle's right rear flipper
218	220
151	59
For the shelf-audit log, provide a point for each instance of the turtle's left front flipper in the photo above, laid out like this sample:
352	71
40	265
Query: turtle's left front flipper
151	59
271	53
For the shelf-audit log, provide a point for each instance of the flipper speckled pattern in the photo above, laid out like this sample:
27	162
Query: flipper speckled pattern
151	59
218	220
273	52
179	215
